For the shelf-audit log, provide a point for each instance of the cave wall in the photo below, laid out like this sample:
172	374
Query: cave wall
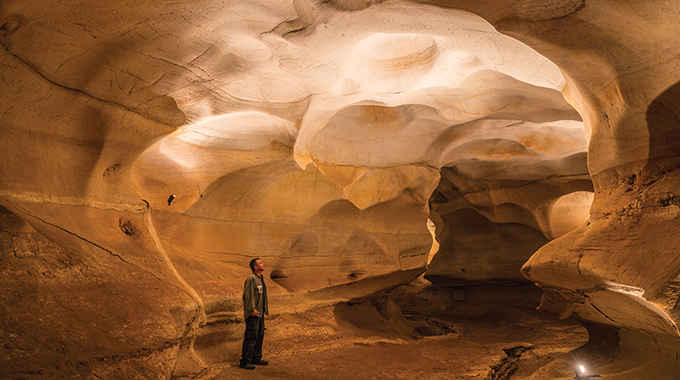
620	270
149	150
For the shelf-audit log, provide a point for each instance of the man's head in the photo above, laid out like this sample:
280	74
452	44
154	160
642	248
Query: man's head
257	266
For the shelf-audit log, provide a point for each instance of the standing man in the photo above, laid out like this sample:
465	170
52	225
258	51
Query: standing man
255	307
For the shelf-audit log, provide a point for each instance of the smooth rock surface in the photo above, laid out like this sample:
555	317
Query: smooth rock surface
150	150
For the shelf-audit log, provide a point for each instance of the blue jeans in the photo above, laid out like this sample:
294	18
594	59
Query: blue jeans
252	340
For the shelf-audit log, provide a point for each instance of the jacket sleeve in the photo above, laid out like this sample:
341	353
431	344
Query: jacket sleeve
249	297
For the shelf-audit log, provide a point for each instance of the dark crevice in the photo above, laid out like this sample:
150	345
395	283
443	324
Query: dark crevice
508	364
603	314
287	27
429	326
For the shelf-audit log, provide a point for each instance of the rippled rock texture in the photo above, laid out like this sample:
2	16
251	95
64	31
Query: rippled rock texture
150	150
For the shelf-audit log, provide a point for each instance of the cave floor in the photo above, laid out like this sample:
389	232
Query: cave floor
308	346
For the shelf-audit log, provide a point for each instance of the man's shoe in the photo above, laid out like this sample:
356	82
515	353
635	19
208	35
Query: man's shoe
246	366
260	362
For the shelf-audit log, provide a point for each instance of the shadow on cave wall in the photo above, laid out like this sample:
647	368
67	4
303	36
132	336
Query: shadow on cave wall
663	124
474	250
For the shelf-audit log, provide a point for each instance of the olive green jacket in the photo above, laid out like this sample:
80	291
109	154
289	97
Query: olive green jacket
254	297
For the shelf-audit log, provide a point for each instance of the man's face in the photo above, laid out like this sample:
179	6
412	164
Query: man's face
259	266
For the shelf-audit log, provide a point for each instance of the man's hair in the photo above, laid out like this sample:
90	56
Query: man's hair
252	263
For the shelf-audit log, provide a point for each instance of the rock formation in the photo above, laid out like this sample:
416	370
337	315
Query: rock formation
149	150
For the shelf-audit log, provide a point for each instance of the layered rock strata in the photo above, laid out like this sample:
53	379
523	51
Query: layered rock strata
619	271
163	145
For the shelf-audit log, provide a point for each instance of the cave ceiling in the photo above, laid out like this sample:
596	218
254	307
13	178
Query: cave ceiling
150	149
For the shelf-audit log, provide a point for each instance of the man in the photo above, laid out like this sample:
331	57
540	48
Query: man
255	307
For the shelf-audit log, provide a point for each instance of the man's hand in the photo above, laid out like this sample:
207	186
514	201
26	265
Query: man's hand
254	313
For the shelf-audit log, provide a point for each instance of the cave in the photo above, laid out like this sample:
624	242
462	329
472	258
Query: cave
441	189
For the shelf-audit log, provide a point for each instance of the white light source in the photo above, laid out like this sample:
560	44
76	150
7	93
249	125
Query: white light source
581	373
582	368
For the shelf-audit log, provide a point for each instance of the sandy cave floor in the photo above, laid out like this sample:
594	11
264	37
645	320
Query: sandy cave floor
311	346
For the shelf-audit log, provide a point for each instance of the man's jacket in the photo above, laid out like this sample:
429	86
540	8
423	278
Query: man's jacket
254	297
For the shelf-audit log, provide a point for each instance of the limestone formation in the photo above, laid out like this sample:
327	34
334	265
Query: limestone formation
150	149
618	271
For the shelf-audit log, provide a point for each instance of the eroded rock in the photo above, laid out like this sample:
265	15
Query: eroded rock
162	145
